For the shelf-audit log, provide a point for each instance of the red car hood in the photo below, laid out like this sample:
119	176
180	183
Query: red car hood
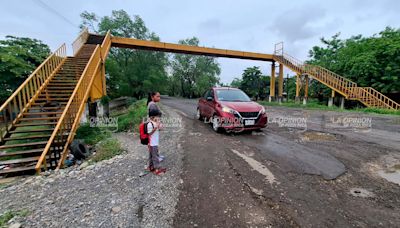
250	106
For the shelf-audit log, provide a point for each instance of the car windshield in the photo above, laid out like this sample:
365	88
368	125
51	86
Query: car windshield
232	95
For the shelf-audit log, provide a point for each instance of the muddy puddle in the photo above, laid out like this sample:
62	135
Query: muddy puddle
317	136
388	168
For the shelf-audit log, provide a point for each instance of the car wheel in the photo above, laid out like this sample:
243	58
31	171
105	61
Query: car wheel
215	124
198	114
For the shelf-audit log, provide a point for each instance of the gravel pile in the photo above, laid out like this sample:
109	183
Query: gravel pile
112	193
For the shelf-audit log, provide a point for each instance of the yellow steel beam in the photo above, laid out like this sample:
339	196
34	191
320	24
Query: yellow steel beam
186	49
306	87
280	82
297	85
272	81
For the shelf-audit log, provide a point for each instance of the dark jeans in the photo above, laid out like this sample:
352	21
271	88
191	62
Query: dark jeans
153	157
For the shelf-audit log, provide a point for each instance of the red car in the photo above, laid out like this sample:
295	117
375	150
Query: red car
231	109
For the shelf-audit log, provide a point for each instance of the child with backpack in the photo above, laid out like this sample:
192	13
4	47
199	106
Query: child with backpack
149	133
152	100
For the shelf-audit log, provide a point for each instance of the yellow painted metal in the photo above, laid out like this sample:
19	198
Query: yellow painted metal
297	85
80	41
29	90
99	89
333	93
70	118
341	85
280	82
186	49
306	86
106	46
272	81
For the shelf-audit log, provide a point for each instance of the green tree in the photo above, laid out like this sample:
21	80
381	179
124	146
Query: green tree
130	72
19	56
236	82
191	74
253	82
369	61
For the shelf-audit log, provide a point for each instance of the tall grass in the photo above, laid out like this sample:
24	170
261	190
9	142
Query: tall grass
91	135
107	149
132	117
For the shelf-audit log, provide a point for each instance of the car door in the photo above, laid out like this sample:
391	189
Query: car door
210	103
203	103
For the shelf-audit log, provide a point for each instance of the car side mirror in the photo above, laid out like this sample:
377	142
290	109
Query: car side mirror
209	98
253	99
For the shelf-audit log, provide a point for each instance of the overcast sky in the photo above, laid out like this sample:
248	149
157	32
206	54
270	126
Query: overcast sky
252	25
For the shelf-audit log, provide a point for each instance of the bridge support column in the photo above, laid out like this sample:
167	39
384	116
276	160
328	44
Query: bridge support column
305	90
297	98
280	83
272	83
330	101
342	102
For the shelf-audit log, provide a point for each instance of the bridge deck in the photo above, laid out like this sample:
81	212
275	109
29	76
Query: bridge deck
185	49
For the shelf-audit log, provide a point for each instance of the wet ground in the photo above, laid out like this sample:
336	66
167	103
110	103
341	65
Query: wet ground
306	169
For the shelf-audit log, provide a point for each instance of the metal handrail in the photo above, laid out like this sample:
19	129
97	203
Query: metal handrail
345	86
381	98
105	46
80	40
29	90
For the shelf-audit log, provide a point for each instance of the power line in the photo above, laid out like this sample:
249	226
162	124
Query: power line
49	8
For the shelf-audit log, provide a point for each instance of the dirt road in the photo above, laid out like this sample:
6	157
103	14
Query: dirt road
306	169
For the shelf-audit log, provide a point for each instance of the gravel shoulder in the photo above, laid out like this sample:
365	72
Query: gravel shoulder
111	193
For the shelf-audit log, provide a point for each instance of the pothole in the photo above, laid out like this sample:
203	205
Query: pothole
387	167
391	174
317	136
361	192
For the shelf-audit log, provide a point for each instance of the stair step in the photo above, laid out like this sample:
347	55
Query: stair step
17	169
63	80
38	118
59	78
42	103
72	69
18	131
27	137
40	113
75	64
23	145
53	99
35	124
71	81
52	96
19	160
66	88
45	108
58	91
23	152
62	84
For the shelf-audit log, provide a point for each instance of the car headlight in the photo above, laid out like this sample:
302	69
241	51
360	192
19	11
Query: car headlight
229	110
262	111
